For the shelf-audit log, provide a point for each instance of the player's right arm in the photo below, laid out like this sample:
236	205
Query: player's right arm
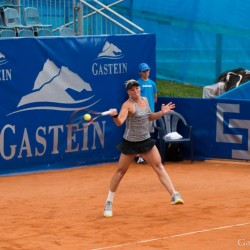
123	114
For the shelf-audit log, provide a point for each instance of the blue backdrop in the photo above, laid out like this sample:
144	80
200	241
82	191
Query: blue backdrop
42	80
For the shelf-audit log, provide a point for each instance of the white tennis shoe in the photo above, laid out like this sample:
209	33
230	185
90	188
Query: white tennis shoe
176	199
108	210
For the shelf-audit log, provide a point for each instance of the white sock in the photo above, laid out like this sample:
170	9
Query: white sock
111	196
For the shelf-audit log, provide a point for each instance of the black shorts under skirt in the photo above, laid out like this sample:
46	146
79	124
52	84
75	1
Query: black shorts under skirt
128	147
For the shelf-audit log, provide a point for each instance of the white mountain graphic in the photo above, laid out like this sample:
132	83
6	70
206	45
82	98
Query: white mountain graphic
51	85
3	60
109	50
50	70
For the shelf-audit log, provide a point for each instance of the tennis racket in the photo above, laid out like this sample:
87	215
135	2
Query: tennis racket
77	118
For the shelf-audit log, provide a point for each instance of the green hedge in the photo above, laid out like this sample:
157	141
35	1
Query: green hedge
169	88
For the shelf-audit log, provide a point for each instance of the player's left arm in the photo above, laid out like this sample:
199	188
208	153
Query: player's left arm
165	108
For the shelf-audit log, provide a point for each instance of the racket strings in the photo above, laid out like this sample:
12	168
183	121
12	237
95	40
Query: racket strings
77	117
89	111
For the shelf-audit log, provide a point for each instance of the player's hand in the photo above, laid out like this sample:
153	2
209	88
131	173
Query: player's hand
165	108
113	112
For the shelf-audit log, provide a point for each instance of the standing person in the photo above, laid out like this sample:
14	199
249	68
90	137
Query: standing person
148	86
136	140
149	90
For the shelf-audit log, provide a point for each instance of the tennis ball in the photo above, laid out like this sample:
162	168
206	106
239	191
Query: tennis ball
87	117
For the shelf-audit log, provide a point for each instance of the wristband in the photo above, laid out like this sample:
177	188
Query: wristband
115	116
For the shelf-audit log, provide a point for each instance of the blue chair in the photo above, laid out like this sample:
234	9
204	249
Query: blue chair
7	33
65	31
2	26
12	19
44	32
173	122
32	19
8	3
25	33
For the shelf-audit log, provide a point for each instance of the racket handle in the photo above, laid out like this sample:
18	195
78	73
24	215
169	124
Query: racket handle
106	113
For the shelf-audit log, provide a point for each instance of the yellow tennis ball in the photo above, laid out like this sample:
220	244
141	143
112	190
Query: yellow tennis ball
87	117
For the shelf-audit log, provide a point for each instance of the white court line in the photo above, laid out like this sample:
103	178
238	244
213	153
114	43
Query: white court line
172	236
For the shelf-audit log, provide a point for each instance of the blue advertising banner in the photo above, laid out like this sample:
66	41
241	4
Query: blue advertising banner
220	126
231	126
43	80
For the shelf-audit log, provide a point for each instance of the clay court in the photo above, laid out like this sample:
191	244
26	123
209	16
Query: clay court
63	209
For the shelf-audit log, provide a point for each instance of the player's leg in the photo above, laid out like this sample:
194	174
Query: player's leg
154	159
138	158
121	170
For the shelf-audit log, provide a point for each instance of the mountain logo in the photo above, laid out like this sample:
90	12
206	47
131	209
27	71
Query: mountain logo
110	51
3	59
51	89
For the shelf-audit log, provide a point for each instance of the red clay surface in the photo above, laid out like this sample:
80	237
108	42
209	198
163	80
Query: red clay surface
64	209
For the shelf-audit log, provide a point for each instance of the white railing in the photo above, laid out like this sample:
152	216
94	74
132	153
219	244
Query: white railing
104	20
86	17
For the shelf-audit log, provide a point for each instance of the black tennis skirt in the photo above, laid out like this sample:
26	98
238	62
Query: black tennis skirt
128	147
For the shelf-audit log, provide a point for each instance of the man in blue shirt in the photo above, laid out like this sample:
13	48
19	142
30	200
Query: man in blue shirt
148	87
148	90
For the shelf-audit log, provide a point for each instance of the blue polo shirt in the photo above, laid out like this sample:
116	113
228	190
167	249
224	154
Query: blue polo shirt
148	89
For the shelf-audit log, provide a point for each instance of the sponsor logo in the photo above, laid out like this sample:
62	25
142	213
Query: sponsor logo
109	52
53	80
3	60
231	136
5	74
19	143
57	89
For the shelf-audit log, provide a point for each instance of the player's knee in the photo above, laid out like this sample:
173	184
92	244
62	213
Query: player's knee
120	173
158	167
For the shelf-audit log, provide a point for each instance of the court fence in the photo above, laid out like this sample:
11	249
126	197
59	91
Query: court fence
83	16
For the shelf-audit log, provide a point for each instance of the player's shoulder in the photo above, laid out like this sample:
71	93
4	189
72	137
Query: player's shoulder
127	103
129	106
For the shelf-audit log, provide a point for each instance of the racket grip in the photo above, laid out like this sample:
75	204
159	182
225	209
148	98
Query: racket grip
106	113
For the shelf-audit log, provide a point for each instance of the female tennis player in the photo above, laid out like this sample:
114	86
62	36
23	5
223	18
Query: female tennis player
136	140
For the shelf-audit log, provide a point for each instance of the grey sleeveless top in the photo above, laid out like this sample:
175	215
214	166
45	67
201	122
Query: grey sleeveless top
137	125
